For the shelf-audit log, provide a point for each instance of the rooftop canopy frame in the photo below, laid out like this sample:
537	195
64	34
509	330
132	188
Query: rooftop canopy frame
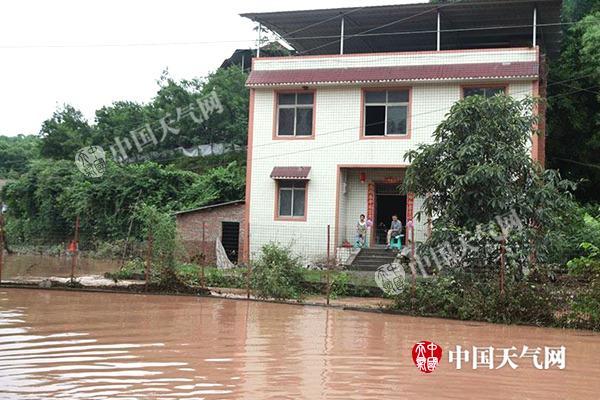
469	24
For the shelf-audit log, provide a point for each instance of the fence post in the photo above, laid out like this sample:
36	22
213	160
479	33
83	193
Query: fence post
204	258
75	250
148	259
502	266
249	262
1	244
328	263
413	268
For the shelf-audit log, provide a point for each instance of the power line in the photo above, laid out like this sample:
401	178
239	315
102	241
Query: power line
283	37
353	128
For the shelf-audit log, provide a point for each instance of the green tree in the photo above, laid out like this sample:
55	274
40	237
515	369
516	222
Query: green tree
217	185
479	168
16	153
65	133
574	100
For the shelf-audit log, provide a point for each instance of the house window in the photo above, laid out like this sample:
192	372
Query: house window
386	112
292	199
487	91
295	114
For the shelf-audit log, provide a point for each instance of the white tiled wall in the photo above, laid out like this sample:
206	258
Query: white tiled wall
394	59
336	144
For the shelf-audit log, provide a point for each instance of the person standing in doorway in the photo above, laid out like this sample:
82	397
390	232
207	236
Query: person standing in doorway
361	231
395	229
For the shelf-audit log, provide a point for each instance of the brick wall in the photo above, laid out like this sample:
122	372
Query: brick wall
190	227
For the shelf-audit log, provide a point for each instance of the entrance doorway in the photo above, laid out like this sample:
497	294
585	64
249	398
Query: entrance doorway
388	202
231	239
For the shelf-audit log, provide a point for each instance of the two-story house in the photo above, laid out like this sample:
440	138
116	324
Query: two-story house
329	127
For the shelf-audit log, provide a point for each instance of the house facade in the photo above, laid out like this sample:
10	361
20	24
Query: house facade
328	135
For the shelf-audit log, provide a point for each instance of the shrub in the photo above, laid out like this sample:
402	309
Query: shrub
477	297
277	273
585	311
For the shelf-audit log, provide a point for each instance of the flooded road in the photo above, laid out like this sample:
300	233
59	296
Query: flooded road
56	344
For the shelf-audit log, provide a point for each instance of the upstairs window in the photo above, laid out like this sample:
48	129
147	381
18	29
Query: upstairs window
291	199
295	114
486	91
386	112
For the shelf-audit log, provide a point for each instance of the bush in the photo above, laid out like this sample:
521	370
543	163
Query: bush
277	274
132	269
477	297
585	307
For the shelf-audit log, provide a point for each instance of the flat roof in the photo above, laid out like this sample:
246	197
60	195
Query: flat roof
469	24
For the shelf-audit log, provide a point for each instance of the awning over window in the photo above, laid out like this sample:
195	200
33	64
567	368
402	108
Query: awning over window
297	173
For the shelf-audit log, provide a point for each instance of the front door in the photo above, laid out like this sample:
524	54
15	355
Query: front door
388	202
231	239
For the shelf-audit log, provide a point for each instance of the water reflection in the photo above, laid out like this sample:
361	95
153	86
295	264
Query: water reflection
85	345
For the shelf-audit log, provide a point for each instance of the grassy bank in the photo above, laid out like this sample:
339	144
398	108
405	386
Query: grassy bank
343	283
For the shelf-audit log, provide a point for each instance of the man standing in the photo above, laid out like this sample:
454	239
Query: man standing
395	229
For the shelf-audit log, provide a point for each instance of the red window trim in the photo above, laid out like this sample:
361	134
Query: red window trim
276	94
278	217
363	92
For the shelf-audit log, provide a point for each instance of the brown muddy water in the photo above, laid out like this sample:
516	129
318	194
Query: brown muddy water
25	266
58	344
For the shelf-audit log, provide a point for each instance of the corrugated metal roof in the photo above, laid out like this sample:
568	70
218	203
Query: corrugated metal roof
228	203
394	74
290	172
468	24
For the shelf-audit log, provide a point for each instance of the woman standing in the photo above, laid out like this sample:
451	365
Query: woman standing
361	231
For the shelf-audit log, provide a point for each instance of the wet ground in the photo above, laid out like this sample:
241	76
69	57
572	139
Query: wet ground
56	344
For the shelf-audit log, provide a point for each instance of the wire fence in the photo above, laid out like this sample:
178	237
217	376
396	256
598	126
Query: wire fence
331	265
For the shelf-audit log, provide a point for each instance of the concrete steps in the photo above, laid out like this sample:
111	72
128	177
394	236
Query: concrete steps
372	258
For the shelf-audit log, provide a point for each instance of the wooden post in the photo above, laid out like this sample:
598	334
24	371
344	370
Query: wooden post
148	259
412	239
202	276
75	250
1	244
502	266
328	263
249	270
413	259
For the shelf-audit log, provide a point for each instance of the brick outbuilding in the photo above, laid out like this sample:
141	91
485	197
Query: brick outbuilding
200	228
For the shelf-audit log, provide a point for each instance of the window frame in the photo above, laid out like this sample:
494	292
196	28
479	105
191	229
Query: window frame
503	86
277	106
278	188
363	113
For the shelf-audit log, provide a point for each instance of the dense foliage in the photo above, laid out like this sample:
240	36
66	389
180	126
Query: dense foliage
479	182
67	130
573	142
277	273
44	202
48	192
16	153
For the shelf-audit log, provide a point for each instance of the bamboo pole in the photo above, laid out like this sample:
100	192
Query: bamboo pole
502	266
1	244
75	250
328	263
204	256
249	270
149	259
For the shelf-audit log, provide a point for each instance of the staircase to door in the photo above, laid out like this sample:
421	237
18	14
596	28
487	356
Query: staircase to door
370	259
